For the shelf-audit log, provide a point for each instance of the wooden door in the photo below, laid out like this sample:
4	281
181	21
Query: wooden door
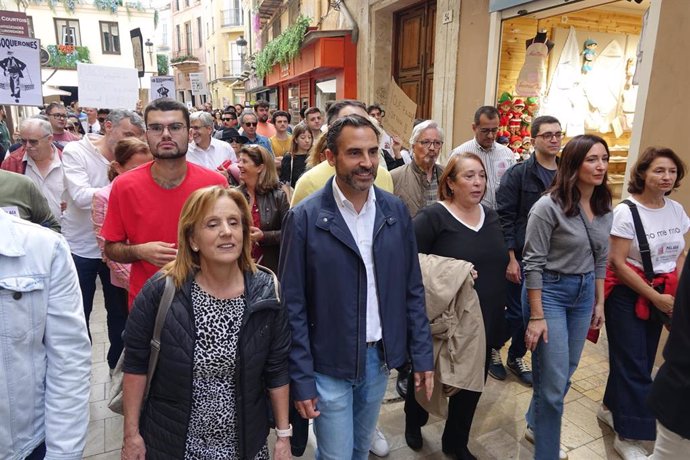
413	63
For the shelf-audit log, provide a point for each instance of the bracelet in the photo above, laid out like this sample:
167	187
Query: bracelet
286	433
536	318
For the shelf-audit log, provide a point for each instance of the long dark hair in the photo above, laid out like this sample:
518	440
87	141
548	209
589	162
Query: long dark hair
564	190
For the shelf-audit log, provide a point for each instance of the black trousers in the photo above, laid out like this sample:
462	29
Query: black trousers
461	409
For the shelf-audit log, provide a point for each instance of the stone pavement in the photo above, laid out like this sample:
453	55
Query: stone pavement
497	432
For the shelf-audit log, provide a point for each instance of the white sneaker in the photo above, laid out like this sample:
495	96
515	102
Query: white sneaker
379	445
605	416
529	436
629	449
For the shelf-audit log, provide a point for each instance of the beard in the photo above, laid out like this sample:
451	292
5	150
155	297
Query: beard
358	184
180	152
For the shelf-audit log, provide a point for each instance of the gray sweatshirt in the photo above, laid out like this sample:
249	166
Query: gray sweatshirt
559	243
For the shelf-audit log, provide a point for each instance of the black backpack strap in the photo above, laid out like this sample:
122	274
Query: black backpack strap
642	242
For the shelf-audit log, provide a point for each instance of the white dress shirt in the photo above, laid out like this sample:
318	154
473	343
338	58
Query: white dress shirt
215	155
52	185
361	227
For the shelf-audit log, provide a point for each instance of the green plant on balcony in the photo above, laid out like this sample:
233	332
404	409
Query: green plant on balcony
186	57
51	3
282	48
162	61
67	56
107	5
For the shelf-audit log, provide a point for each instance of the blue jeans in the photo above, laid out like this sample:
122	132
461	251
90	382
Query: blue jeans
567	302
349	411
515	326
115	302
632	350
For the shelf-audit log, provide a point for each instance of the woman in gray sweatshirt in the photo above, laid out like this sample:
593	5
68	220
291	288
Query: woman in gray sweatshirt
565	266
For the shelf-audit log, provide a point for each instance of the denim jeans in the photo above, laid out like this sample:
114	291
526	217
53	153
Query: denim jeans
349	411
632	349
567	302
115	301
515	326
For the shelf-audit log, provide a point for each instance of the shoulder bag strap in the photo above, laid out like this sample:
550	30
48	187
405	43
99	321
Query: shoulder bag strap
163	308
642	242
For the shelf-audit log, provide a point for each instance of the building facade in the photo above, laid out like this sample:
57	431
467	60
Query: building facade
224	26
188	49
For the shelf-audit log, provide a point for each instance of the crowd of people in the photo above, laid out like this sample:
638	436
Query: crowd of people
286	268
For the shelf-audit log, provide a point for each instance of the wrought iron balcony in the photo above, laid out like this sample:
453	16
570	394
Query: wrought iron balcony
232	67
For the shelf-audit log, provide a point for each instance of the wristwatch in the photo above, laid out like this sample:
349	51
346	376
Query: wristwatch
284	433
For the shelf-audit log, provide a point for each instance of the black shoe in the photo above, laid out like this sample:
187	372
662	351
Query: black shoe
519	367
465	454
496	369
401	382
413	437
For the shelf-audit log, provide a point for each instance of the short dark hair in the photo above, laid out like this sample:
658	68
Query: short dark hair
53	105
374	106
543	120
261	103
564	190
165	104
489	111
311	110
103	112
230	112
355	121
337	106
636	184
280	113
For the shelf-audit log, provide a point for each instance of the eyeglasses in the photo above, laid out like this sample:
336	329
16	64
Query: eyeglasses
488	130
173	128
229	119
549	136
426	144
249	123
32	142
197	128
59	116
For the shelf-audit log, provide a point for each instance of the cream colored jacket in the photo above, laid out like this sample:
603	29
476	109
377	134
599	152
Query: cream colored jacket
457	330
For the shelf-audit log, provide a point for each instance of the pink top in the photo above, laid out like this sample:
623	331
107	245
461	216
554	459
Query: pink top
119	273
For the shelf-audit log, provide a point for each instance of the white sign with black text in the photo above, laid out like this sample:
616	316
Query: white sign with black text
107	87
20	62
162	86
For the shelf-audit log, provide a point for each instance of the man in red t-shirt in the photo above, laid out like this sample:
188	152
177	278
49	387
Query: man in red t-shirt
145	204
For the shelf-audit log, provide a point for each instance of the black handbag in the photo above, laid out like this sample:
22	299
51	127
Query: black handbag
647	266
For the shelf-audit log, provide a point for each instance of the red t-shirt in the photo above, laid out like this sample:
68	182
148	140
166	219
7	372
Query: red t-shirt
141	211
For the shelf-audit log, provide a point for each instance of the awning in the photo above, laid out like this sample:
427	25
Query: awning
52	91
59	78
327	86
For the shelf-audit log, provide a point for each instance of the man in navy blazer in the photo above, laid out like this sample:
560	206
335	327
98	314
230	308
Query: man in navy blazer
352	286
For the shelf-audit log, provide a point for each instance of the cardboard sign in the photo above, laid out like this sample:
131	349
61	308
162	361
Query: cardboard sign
196	80
400	114
138	50
20	62
162	87
122	90
14	23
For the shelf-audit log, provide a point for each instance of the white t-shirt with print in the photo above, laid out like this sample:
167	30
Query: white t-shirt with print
664	228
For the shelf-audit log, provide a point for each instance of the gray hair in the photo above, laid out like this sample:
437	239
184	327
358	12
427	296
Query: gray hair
205	118
247	113
423	126
39	121
117	115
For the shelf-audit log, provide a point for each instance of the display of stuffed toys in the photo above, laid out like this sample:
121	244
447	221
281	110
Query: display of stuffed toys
588	54
516	117
516	147
505	105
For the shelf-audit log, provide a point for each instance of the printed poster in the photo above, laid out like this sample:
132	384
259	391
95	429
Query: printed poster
163	86
20	62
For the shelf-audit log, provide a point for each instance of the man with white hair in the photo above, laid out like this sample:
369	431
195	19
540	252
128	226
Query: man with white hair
416	183
39	160
205	150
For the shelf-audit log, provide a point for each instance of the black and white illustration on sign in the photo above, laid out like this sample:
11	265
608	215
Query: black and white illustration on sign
163	86
20	81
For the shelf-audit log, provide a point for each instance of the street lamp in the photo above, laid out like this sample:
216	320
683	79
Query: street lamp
149	46
241	49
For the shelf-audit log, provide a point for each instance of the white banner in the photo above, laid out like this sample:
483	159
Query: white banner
162	87
196	80
20	62
107	87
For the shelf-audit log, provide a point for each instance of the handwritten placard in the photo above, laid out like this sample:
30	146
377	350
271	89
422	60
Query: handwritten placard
107	87
400	114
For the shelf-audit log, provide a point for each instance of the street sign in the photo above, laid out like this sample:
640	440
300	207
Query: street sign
14	23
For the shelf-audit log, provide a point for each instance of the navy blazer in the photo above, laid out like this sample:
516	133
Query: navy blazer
323	284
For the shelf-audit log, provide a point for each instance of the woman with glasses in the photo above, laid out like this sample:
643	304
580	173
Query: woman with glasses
294	163
564	258
267	201
636	310
223	346
458	226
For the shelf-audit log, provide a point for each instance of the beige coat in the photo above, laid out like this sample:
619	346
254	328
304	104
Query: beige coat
457	330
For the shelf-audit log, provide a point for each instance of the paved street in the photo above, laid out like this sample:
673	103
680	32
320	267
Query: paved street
497	432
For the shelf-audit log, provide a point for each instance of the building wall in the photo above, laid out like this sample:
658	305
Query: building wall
221	34
181	17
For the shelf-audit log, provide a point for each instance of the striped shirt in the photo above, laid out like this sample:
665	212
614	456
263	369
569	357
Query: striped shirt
496	160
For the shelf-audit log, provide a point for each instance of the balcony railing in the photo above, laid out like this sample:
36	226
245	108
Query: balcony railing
231	17
232	68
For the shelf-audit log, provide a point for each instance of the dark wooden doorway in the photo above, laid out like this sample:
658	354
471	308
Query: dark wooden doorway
413	63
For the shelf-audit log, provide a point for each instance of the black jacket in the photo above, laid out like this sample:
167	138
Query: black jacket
670	396
263	348
273	207
520	188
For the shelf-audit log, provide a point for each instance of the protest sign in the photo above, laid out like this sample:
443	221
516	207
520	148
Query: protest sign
196	80
121	92
400	113
20	62
162	87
